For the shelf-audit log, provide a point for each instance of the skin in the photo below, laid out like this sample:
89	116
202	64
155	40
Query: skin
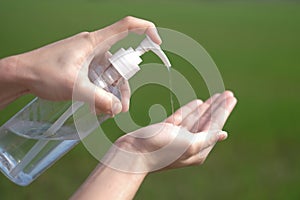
36	71
183	139
196	135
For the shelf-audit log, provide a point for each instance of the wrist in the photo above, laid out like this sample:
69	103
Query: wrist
108	183
110	180
8	68
125	157
24	73
10	85
15	71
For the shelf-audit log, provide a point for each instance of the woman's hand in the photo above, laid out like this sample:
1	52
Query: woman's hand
183	139
51	72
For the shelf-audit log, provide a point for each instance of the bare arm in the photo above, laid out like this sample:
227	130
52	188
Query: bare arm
108	183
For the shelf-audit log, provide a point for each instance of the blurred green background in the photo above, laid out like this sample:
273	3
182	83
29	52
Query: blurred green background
256	46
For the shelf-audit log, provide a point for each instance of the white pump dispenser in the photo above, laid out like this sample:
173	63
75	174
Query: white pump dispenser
127	61
124	64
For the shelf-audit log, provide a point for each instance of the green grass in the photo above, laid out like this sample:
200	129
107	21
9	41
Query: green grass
256	47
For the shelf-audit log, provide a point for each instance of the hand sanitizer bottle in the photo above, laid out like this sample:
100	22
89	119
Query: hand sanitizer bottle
43	131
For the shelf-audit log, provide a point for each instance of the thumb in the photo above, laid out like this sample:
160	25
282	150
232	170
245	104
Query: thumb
208	138
100	100
106	102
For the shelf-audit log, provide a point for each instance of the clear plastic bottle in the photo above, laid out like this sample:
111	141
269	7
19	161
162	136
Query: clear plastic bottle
43	131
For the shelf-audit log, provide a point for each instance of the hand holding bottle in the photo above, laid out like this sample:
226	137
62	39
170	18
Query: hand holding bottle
51	71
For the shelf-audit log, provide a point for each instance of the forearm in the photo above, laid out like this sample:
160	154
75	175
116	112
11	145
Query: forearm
11	86
107	183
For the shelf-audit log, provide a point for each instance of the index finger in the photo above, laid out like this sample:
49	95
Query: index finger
216	116
177	117
121	28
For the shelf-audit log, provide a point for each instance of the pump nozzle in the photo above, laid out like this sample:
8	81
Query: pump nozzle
148	45
126	62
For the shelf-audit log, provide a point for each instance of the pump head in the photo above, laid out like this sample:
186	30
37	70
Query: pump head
148	45
126	62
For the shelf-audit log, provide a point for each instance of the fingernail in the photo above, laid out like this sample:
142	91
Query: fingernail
125	108
222	135
157	35
127	102
116	106
93	109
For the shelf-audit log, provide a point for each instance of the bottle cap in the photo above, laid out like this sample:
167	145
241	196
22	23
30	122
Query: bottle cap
126	62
